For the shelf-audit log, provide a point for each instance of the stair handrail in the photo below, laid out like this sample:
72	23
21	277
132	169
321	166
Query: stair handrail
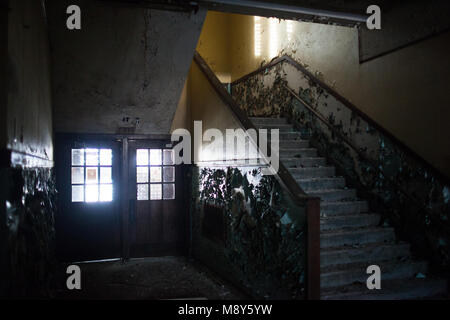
311	203
360	153
374	124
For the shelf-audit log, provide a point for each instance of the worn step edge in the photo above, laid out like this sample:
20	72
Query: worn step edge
313	184
338	238
350	221
389	270
334	194
343	207
337	257
404	289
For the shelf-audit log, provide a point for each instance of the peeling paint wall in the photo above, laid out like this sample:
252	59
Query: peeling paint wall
27	190
125	62
264	246
408	195
404	91
182	114
28	236
29	115
3	74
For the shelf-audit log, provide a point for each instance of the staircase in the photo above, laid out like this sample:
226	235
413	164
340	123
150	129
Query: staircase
351	236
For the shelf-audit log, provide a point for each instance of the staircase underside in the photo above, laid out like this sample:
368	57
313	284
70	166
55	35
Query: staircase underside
351	236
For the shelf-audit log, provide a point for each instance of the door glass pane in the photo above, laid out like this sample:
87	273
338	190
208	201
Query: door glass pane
155	191
77	175
169	174
77	193
91	157
77	157
142	191
105	157
142	157
105	174
92	193
168	157
155	157
142	174
90	168
169	191
91	175
155	174
106	192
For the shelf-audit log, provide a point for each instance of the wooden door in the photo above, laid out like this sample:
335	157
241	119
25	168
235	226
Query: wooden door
88	213
157	218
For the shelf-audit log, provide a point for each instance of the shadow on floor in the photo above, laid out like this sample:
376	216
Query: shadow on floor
147	278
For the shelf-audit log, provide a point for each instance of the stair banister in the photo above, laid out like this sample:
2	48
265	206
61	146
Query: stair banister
312	204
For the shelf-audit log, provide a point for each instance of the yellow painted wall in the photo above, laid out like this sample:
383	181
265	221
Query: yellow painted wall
406	92
208	107
214	44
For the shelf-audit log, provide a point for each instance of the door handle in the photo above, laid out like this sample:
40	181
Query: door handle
132	210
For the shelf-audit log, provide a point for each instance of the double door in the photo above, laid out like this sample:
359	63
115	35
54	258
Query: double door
118	198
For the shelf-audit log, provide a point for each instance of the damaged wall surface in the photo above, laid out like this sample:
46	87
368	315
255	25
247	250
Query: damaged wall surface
412	197
261	246
27	191
125	68
29	114
28	232
3	75
404	91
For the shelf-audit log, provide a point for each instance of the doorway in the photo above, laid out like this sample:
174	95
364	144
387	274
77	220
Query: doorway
116	201
157	217
88	213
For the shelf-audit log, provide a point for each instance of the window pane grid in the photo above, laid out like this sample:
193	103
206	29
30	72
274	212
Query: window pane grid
155	174
91	170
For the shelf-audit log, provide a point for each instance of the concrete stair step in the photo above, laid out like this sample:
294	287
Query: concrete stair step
289	135
303	162
389	270
368	253
403	289
313	184
343	208
359	220
293	144
266	120
354	237
311	172
298	153
334	194
281	127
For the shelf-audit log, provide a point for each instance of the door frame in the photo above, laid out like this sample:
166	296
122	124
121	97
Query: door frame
180	209
124	194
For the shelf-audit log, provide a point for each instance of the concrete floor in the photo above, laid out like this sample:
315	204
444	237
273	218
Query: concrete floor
147	278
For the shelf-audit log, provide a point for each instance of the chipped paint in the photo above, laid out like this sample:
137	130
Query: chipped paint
408	195
28	259
265	246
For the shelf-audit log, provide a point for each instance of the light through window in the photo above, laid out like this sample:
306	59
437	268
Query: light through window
91	175
155	174
257	36
273	37
289	29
